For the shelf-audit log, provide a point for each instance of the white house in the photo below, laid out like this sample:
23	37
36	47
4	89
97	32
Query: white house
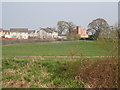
31	33
4	33
62	36
47	33
55	34
24	33
19	33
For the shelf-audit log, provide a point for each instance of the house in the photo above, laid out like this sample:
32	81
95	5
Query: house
4	33
31	33
1	32
82	32
54	34
51	33
62	37
47	33
14	33
19	33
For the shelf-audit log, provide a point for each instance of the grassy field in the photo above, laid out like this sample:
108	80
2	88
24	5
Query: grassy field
34	73
59	73
67	48
39	72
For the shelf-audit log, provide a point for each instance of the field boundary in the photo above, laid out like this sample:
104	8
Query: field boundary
58	56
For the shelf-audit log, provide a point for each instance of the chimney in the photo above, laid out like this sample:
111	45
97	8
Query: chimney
78	30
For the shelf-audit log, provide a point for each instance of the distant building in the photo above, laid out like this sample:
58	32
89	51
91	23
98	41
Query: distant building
31	33
19	33
1	32
82	32
47	33
62	37
4	33
24	33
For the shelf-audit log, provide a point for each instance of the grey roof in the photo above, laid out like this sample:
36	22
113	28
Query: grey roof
18	29
30	31
6	31
49	30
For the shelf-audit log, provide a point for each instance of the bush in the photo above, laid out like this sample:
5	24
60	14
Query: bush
77	36
99	74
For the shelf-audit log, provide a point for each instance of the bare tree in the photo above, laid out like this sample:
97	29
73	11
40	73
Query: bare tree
71	30
61	25
108	40
68	26
96	27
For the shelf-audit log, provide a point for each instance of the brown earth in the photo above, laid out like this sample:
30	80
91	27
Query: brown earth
99	74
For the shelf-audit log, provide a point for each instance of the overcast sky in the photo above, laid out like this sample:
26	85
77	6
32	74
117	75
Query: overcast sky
0	14
33	15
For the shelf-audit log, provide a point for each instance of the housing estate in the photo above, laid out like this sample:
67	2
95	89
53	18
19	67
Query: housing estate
24	33
19	33
41	33
14	33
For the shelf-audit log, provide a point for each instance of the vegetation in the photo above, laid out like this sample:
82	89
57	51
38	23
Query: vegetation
67	27
86	48
62	26
35	73
59	73
64	72
98	26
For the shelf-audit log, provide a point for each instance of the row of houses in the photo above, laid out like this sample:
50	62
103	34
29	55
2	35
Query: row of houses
24	33
41	33
45	33
14	33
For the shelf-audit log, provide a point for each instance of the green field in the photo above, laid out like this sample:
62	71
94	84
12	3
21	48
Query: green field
66	48
40	72
58	73
34	73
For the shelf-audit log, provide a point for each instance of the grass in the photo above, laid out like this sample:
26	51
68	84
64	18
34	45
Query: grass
68	48
35	73
59	73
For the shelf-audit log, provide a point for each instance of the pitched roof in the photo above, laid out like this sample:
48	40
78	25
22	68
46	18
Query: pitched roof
18	29
6	31
29	31
49	30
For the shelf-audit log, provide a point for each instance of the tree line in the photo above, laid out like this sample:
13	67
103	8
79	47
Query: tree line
98	28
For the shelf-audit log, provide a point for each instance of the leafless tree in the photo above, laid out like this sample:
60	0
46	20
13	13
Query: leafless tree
69	26
98	26
61	25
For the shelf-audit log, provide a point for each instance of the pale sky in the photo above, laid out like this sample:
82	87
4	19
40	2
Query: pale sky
0	15
33	15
